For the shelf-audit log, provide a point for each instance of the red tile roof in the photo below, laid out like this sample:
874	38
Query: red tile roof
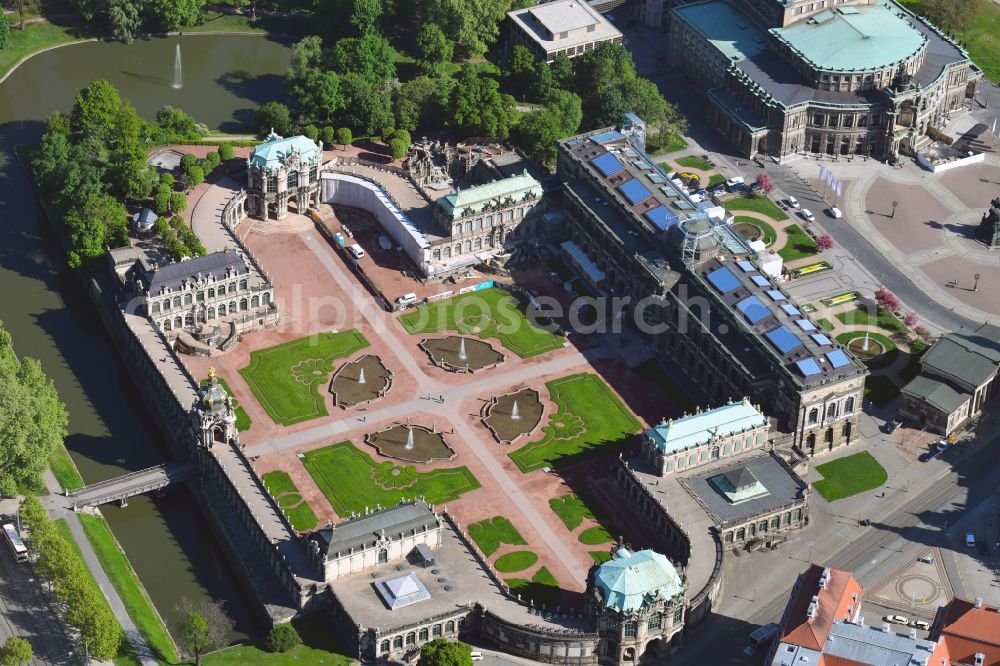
836	601
967	630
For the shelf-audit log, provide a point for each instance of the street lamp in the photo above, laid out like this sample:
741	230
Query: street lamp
975	287
894	204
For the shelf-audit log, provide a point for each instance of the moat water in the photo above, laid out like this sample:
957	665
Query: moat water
47	311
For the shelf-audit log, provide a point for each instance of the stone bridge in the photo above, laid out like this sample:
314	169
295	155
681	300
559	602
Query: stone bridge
120	488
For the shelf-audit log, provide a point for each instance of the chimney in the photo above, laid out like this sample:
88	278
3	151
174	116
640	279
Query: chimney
979	602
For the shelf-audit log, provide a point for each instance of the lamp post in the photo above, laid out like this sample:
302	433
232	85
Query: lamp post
975	287
894	204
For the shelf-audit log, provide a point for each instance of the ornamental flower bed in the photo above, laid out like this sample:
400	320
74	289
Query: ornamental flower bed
811	268
843	298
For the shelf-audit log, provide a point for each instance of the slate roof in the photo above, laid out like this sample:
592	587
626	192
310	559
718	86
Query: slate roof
936	393
695	429
217	264
276	149
631	580
782	487
363	531
473	199
970	358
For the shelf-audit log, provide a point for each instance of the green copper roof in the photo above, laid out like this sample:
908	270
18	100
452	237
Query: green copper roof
853	38
630	580
275	150
728	29
473	199
697	429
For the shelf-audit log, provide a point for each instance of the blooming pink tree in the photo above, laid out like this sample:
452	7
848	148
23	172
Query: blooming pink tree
910	320
886	299
824	242
763	183
921	331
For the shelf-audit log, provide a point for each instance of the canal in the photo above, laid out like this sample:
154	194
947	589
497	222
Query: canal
47	311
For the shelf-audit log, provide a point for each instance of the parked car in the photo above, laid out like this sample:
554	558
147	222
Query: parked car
970	540
834	212
793	202
926	455
733	182
923	625
927	559
807	215
696	198
891	427
941	446
896	619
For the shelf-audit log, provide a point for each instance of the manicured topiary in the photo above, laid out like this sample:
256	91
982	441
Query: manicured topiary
282	638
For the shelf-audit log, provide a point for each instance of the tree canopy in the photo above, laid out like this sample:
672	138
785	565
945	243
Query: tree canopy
442	652
473	25
478	107
433	48
15	652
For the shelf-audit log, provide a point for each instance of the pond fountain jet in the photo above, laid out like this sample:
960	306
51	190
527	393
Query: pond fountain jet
514	414
361	377
865	348
178	71
409	438
461	349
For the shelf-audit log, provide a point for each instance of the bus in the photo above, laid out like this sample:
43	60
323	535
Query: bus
17	547
761	637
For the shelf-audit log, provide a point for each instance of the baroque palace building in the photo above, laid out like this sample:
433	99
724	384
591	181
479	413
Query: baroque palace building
840	77
283	171
697	294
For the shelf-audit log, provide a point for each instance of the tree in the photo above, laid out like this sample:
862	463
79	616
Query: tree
562	71
201	627
923	333
211	162
478	107
442	652
518	74
433	48
567	107
763	183
473	25
371	57
321	96
281	638
329	135
344	136
273	116
167	179
175	126
15	652
367	110
364	15
178	202
124	19
161	199
311	132
950	15
421	102
226	152
4	31
172	15
824	242
910	320
886	299
397	148
537	134
23	7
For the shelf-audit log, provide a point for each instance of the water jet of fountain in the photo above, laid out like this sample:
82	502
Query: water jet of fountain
178	71
865	348
461	349
361	377
514	414
409	438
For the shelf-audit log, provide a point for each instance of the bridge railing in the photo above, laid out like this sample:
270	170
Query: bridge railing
169	470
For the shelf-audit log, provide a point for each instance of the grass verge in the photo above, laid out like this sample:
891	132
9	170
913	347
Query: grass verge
862	316
64	469
694	162
542	588
519	560
287	495
761	205
490	533
849	476
799	244
34	37
319	648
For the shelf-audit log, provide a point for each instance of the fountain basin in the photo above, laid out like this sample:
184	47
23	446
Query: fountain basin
349	391
457	353
508	425
425	444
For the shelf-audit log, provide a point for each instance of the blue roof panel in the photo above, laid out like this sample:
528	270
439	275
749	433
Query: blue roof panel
634	191
821	339
760	280
783	339
805	324
776	295
838	358
607	164
723	280
753	309
790	309
607	137
808	367
661	217
746	266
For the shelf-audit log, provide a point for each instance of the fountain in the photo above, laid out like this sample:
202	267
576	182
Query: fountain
461	350
514	414
866	341
361	377
178	72
409	438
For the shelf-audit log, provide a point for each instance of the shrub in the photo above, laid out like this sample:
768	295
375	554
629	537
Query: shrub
398	148
344	136
226	152
329	135
212	160
178	202
167	179
282	638
187	162
311	132
195	176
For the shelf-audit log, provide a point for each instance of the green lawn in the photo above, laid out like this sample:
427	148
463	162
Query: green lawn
715	180
319	648
490	313
799	244
572	510
849	476
879	362
287	378
490	533
351	480
761	205
653	371
33	38
981	37
770	235
243	421
284	491
64	469
519	560
880	389
825	324
674	142
863	317
595	536
590	419
124	579
542	589
600	556
216	22
694	162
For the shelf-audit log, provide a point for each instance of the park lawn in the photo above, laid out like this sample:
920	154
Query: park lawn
519	560
64	469
879	362
770	235
674	143
243	421
490	533
286	378
799	244
981	37
761	205
490	313
137	603
825	324
352	481
600	556
715	180
319	648
542	589
34	37
694	162
218	22
595	536
848	476
286	494
880	389
652	370
590	420
862	317
572	510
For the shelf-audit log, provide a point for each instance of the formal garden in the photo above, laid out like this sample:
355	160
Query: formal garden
489	534
352	481
513	415
284	491
287	378
410	443
590	420
542	589
849	476
490	313
360	381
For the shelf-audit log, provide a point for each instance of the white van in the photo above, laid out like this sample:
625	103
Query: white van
476	655
407	299
356	251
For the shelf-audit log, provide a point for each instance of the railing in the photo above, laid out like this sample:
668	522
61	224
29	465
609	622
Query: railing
131	484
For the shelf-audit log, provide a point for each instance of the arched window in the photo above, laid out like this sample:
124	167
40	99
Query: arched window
255	301
656	619
243	285
383	647
211	292
849	405
479	223
477	244
243	304
422	636
222	310
166	304
458	230
232	287
447	252
411	638
458	248
436	631
630	629
383	556
813	415
831	410
436	255
468	226
201	297
449	627
397	642
166	325
468	246
266	298
187	299
177	322
156	308
211	313
177	301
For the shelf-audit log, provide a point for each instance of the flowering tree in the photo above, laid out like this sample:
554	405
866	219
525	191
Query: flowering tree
824	242
922	331
910	320
886	299
763	183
